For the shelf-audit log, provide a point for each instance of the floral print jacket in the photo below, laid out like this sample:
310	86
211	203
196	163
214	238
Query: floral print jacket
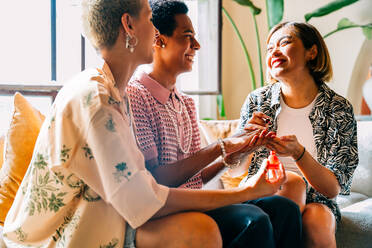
334	129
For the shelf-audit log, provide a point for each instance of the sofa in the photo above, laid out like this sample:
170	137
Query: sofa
355	227
354	230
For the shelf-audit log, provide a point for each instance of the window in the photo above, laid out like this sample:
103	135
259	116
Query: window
204	82
42	47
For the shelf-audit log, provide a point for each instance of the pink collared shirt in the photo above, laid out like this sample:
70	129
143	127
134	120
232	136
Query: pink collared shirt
156	131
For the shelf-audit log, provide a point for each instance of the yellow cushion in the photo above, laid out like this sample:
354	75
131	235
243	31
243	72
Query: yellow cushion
19	145
230	181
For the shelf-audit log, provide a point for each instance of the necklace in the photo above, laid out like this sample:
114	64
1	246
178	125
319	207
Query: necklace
127	110
188	129
174	109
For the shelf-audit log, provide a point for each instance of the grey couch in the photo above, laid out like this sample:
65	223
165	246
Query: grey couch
355	228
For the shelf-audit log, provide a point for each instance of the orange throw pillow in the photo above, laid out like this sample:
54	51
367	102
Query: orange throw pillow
19	145
230	181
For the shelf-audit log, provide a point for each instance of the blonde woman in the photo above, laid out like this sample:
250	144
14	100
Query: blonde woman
87	185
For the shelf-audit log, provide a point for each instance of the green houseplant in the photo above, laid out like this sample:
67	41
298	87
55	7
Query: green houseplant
344	23
274	15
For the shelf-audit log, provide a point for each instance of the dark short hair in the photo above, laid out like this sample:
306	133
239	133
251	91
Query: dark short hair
320	67
102	19
163	13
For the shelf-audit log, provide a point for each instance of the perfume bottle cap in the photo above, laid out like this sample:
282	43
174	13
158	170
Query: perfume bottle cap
273	159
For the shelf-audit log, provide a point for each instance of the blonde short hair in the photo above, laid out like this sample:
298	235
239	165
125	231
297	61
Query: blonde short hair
101	19
320	67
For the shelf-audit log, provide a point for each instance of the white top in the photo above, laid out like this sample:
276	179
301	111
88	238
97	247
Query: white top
296	122
367	92
87	177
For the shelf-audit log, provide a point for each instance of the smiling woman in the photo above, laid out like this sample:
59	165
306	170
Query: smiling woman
301	106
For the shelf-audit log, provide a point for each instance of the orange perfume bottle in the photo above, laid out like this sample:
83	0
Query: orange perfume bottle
273	168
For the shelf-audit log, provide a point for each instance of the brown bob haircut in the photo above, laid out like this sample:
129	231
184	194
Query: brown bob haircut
320	67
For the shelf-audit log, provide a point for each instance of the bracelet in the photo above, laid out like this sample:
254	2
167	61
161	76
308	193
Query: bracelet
302	154
222	145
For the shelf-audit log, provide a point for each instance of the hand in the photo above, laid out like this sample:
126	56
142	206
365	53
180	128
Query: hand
263	187
246	142
287	146
258	121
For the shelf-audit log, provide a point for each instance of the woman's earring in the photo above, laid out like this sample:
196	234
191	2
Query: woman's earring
129	43
162	46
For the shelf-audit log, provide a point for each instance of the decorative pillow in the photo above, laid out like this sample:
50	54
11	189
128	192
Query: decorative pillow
19	145
230	181
212	130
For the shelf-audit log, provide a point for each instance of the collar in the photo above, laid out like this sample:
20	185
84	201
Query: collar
275	94
158	91
109	81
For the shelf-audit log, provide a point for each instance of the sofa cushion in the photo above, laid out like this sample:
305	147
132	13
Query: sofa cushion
355	228
19	145
362	179
347	200
230	181
212	130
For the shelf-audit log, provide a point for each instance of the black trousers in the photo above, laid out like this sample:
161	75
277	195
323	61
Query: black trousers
272	221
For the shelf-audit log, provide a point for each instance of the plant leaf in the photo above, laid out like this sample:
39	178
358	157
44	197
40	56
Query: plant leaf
344	23
275	9
221	106
255	10
367	31
329	8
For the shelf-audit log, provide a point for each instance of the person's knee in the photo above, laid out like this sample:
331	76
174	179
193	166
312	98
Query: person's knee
260	223
191	229
204	229
295	189
319	226
286	207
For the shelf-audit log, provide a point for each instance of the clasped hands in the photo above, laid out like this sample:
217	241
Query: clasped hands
255	135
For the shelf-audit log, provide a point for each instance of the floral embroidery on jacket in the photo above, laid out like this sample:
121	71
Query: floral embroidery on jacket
335	135
121	171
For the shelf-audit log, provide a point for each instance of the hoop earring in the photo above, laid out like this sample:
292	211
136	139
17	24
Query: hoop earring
129	44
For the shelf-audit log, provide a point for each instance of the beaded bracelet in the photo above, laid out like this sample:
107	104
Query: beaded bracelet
302	154
222	145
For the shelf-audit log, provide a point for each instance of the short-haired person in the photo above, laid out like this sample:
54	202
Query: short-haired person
316	129
87	185
167	132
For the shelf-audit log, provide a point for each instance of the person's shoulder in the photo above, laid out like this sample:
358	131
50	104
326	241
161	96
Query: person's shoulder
86	82
135	85
90	90
335	99
186	98
135	89
263	94
338	106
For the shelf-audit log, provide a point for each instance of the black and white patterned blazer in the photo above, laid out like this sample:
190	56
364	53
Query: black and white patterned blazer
334	129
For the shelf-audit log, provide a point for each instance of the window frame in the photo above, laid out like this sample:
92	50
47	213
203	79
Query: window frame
51	88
